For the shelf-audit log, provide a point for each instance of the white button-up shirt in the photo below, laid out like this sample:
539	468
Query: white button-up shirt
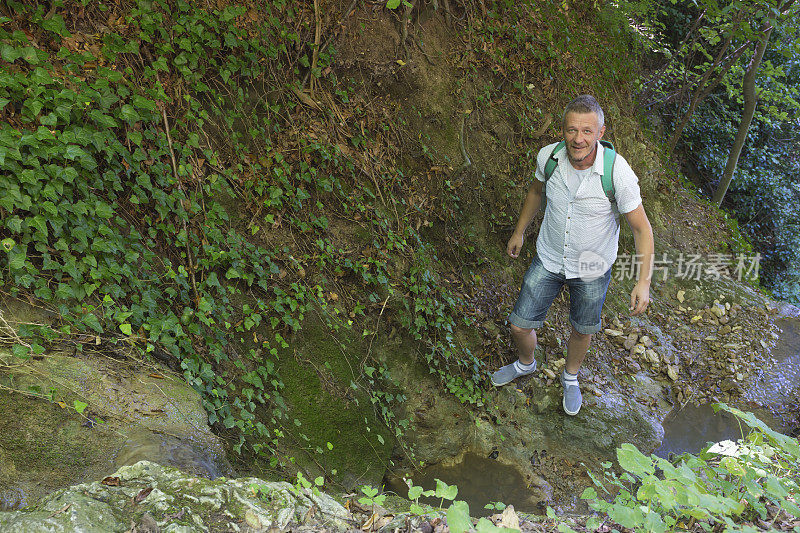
584	225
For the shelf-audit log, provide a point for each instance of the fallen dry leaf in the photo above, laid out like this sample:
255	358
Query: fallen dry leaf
144	493
110	481
54	513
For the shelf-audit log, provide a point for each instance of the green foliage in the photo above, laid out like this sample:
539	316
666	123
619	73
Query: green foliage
100	224
720	486
371	496
124	167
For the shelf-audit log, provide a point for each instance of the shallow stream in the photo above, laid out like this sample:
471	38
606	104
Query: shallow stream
482	480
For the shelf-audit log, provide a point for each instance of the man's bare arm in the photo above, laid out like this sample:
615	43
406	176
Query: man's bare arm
645	248
530	207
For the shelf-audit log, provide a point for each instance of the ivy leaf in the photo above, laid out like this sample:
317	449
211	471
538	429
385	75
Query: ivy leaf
91	320
102	119
126	329
9	53
73	152
80	406
20	351
392	4
129	114
39	223
17	257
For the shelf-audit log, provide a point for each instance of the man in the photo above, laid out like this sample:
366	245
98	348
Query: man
577	244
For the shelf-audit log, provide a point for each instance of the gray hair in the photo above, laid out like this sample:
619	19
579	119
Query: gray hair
586	103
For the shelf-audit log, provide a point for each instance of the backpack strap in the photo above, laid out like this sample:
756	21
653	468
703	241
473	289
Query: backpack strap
552	162
609	158
607	179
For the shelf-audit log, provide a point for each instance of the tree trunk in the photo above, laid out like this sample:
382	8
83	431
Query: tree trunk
750	100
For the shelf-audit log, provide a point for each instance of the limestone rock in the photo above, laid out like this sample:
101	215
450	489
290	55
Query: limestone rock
185	503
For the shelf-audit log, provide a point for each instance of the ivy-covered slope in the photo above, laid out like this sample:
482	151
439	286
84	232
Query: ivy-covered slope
197	179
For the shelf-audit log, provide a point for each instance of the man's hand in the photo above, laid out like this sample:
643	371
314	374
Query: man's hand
640	298
514	245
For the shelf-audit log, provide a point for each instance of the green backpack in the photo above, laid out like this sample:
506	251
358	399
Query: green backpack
609	158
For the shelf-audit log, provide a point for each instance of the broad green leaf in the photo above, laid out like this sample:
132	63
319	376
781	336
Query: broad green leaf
790	507
589	494
626	516
80	406
39	223
458	517
733	466
392	4
443	490
126	329
414	492
417	509
634	461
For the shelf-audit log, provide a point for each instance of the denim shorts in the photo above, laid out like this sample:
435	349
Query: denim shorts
540	287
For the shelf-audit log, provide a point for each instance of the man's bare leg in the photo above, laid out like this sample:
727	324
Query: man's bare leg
525	340
577	346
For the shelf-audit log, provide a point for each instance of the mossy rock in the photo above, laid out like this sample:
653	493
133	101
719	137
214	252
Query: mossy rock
126	414
336	429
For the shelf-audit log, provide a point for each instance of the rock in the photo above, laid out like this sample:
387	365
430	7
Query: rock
637	350
630	341
672	372
509	518
652	356
185	502
613	332
681	296
559	363
146	415
549	373
718	309
647	341
724	330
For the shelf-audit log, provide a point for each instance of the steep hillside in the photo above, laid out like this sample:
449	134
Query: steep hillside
291	204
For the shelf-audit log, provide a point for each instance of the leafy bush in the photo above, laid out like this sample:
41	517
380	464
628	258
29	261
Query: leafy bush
727	484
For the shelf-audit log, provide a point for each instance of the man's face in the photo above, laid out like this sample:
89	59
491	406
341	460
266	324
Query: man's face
581	132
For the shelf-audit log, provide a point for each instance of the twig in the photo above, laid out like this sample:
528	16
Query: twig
11	332
180	188
467	161
317	38
377	321
330	37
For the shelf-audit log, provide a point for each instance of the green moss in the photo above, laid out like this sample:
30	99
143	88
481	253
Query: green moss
43	447
326	395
